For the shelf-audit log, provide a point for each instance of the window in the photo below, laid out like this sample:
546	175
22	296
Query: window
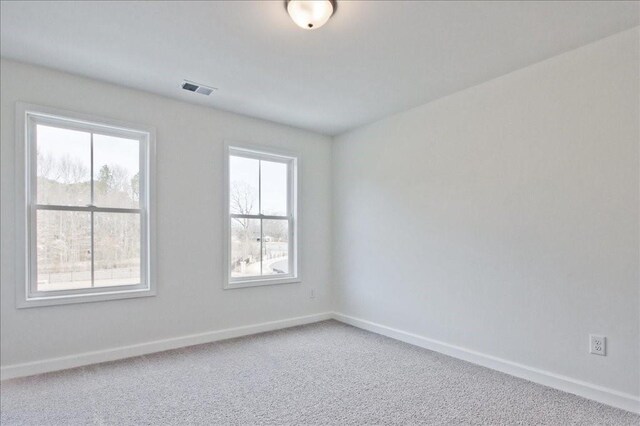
261	218
86	190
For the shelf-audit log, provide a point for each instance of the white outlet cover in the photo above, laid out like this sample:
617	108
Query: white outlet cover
597	344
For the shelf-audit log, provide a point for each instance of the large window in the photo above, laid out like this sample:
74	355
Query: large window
261	220
86	206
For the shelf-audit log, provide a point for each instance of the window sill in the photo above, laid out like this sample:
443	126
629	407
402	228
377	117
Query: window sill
33	302
261	282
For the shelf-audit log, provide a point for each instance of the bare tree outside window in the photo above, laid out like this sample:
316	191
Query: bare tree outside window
65	248
259	222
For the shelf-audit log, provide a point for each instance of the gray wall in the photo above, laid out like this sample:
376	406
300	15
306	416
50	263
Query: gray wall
190	141
504	218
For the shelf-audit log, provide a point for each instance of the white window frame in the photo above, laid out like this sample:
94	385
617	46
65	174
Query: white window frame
27	117
293	215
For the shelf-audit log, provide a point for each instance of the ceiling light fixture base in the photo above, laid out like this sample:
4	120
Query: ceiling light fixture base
310	14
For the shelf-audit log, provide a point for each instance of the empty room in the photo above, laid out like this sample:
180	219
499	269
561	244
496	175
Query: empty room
322	212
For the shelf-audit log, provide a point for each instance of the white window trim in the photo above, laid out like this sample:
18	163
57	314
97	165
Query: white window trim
25	207
277	154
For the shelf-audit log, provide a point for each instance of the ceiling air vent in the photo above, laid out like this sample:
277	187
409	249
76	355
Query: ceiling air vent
198	88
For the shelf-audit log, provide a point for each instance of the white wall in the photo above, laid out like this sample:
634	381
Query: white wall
504	218
189	224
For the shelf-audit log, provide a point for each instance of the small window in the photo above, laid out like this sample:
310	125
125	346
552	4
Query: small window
261	220
87	210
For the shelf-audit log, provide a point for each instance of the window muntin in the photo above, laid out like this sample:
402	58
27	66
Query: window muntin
87	207
262	215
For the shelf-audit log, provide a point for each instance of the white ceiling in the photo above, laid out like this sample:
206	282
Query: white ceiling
372	58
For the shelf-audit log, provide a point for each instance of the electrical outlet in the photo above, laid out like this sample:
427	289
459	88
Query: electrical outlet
597	345
312	295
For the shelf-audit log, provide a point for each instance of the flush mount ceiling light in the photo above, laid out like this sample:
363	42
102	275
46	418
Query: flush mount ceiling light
311	14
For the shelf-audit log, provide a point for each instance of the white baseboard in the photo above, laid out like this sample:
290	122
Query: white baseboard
587	390
87	358
567	384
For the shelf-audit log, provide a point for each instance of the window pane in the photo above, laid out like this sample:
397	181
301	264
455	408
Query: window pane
245	247
243	191
275	254
116	243
116	171
64	250
274	188
63	166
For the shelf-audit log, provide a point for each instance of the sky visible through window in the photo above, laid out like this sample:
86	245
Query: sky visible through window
245	179
76	145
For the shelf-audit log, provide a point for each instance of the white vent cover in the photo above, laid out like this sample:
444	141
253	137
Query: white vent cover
197	88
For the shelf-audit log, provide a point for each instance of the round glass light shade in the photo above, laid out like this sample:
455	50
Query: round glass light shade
310	14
